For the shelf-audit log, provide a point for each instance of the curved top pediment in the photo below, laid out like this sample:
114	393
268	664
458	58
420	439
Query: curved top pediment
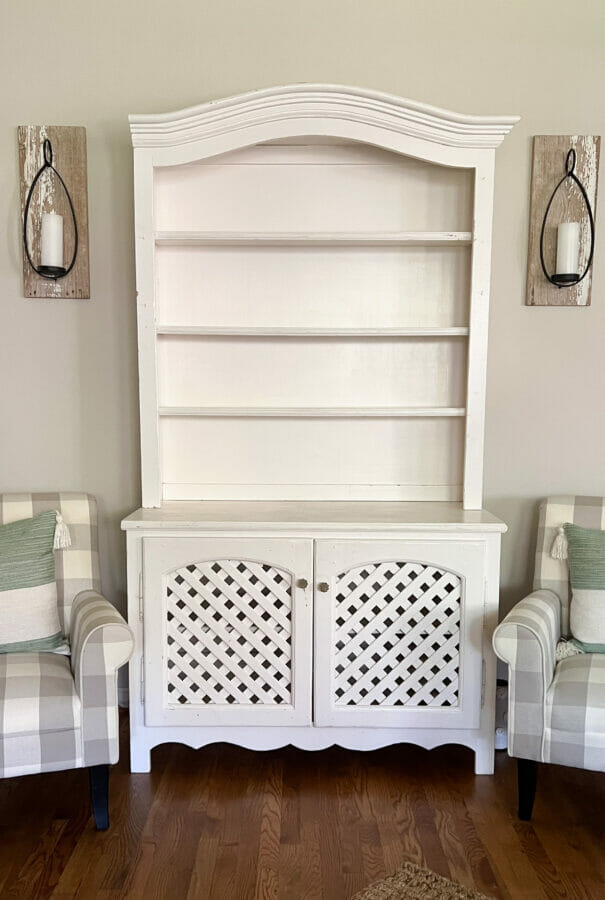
306	107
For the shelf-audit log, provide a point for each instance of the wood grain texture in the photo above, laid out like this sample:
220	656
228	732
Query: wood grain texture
224	822
69	159
548	167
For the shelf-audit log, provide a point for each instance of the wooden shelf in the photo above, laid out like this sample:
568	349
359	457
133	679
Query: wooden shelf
243	331
344	238
313	412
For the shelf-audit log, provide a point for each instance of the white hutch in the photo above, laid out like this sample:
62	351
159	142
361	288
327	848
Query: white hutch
311	565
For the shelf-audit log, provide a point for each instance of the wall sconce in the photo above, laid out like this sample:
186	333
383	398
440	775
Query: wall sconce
51	228
568	235
574	199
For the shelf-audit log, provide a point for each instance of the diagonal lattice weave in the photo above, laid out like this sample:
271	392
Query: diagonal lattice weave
228	634
397	636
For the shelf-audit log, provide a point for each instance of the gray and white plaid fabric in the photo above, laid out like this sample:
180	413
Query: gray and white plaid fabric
56	715
101	642
556	711
527	641
41	714
574	733
589	512
77	569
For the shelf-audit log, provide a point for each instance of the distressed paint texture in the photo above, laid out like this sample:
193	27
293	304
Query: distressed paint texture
69	158
548	167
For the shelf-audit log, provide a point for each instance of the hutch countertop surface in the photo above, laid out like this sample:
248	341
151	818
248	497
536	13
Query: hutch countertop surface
315	515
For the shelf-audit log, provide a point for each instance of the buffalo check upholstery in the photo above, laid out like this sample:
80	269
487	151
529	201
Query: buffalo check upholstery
61	712
556	710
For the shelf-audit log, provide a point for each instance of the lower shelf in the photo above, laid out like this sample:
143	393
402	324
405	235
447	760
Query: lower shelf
314	412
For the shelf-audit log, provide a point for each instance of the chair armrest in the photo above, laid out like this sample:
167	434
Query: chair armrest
101	642
527	640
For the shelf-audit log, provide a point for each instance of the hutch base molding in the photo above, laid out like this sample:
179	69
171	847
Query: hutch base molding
311	564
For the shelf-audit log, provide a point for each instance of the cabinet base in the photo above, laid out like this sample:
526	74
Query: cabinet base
312	738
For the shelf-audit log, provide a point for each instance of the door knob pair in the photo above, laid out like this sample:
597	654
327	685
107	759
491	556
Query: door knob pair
323	586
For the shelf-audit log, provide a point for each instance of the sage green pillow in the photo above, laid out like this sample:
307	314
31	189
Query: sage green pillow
29	618
586	551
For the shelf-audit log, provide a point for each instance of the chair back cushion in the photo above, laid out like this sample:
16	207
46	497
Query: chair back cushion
76	568
29	618
553	574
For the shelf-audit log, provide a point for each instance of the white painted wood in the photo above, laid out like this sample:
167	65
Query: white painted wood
313	412
357	199
393	618
145	276
256	451
235	639
366	492
314	287
287	518
278	239
311	376
268	331
313	283
315	738
479	319
478	545
368	109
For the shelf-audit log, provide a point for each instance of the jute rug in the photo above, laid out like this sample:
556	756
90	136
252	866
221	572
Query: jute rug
411	882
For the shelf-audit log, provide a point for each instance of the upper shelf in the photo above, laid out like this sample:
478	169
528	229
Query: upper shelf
344	239
277	331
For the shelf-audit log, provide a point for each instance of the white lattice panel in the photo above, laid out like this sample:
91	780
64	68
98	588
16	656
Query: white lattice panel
228	634
397	636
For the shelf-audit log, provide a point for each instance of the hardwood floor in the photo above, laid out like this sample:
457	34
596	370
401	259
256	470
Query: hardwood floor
229	824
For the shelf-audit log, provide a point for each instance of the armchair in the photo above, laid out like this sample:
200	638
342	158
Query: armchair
556	709
61	712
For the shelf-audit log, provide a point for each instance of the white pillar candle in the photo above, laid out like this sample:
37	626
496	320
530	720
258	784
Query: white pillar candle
568	248
51	240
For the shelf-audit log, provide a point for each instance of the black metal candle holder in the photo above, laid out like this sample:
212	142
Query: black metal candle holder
50	272
568	279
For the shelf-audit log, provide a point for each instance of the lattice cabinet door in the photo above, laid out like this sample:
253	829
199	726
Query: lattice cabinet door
398	633
228	634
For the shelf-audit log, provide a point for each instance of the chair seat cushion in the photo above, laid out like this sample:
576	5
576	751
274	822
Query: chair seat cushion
575	713
37	694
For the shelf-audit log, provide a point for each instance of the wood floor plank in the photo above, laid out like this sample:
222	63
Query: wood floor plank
267	877
224	823
491	802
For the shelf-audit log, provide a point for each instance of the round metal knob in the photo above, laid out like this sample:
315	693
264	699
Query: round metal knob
323	586
302	583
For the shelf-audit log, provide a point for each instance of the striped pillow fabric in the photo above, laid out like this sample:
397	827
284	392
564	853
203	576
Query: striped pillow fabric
29	619
586	550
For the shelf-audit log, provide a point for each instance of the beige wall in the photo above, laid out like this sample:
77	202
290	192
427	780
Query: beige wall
68	369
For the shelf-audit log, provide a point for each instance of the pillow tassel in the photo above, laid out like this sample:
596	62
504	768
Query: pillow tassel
62	537
559	545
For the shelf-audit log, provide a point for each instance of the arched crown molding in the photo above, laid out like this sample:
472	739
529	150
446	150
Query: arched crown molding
297	103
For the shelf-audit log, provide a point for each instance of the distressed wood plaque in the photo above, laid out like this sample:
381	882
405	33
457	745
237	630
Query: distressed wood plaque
69	159
548	167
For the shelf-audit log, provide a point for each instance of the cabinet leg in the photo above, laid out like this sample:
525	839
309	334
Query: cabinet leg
99	795
140	758
527	775
484	756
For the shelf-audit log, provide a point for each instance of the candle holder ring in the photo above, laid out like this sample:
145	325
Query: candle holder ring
50	272
568	279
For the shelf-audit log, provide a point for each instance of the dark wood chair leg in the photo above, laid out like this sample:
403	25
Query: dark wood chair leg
99	795
527	774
